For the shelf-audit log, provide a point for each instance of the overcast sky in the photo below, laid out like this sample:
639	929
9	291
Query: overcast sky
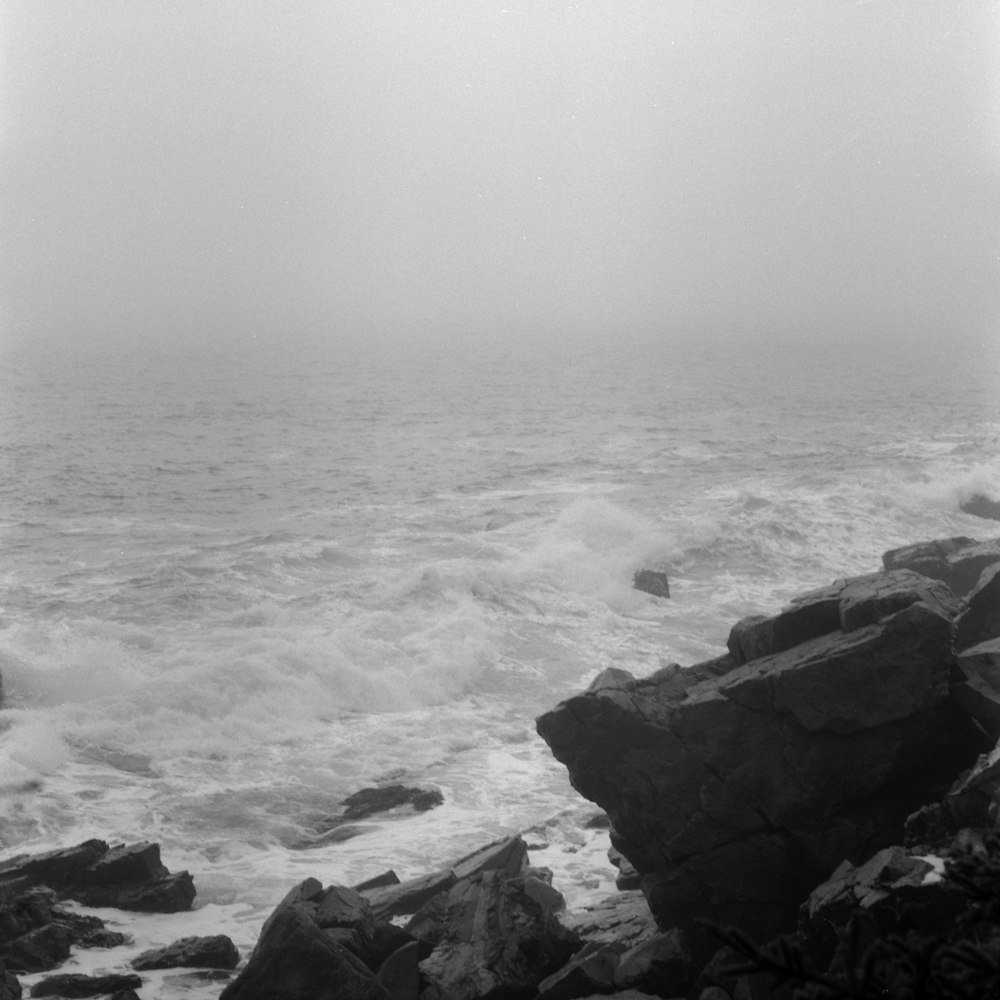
198	168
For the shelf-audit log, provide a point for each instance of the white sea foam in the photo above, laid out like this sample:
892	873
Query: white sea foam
279	585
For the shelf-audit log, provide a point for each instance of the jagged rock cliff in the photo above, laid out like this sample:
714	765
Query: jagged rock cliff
736	786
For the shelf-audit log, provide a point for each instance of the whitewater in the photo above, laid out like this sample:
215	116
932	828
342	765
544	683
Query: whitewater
240	585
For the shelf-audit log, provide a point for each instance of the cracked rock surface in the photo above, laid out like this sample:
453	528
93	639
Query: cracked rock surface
737	785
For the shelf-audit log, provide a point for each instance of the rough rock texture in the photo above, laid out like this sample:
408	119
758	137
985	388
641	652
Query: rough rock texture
10	987
308	949
490	922
733	796
127	877
981	620
36	934
497	941
893	891
590	970
624	918
957	561
215	952
509	856
977	684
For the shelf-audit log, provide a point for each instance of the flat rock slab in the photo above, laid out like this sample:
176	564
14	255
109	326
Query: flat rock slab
74	985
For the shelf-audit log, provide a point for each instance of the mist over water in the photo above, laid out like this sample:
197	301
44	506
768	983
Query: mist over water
353	358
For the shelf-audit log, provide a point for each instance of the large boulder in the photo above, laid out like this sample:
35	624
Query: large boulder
311	948
497	941
822	730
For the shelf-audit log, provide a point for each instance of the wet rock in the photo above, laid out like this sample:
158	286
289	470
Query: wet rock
979	505
400	972
36	934
976	687
652	581
75	985
378	881
10	987
981	620
734	797
213	952
958	561
892	892
846	605
623	918
590	970
370	801
627	877
308	947
496	941
661	964
508	855
126	877
38	950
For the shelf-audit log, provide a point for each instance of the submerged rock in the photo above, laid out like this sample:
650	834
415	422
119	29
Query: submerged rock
735	795
979	505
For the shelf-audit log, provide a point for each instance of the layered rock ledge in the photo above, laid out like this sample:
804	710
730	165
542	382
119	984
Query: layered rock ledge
734	787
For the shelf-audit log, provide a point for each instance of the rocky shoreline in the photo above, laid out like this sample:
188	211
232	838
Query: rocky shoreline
783	816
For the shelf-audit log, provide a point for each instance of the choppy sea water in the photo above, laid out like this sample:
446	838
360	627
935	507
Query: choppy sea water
239	586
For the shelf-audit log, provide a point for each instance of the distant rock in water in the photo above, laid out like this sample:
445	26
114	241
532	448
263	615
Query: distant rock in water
651	581
370	801
979	505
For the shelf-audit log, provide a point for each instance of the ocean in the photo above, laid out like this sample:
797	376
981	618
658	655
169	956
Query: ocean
240	585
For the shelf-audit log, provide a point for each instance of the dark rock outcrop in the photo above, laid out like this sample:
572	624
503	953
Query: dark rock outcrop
483	925
126	877
402	898
309	949
10	987
652	581
496	941
36	934
734	795
979	505
214	952
892	892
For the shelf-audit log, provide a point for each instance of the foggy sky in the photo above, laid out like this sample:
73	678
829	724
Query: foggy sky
204	169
